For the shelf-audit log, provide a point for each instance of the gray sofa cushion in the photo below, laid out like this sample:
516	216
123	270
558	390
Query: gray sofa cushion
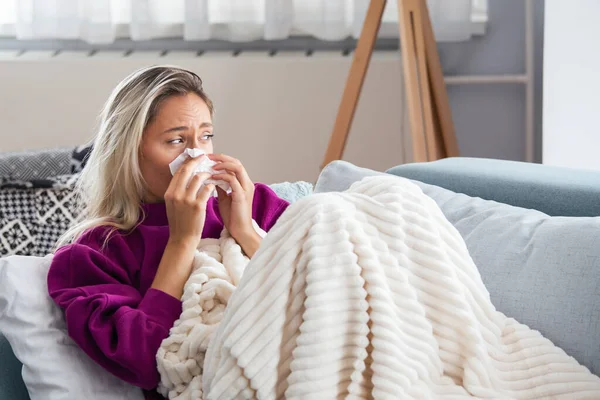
292	191
543	271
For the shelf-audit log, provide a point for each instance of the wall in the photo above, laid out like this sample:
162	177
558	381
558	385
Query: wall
490	118
572	86
278	122
275	114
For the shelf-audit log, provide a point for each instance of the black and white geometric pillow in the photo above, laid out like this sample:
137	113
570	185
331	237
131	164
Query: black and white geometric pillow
40	168
32	220
17	203
17	237
37	202
79	157
35	164
56	182
17	222
30	184
56	211
65	181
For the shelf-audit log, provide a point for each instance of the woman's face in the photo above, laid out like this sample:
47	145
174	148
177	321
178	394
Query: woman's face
181	122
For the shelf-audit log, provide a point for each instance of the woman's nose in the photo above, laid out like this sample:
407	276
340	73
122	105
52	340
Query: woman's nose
196	142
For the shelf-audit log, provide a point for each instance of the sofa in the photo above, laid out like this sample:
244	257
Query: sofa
532	230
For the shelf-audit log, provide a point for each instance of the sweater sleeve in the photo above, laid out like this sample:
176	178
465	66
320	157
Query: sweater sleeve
106	315
267	206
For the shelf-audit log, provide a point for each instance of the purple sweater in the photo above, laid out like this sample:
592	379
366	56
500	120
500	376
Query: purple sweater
110	309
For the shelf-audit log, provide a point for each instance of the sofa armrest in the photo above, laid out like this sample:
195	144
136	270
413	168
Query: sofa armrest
555	191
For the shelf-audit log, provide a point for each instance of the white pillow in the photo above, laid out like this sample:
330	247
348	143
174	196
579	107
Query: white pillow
54	367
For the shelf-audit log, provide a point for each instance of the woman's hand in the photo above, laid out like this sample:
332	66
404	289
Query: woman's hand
186	212
236	208
186	202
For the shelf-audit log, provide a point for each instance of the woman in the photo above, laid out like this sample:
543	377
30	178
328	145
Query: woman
120	278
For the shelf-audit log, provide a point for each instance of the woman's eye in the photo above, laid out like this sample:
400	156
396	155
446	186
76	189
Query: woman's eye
175	141
207	136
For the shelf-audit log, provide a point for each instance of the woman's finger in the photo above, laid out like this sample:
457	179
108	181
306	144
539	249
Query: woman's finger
183	174
222	158
181	171
231	179
239	171
195	184
228	165
205	193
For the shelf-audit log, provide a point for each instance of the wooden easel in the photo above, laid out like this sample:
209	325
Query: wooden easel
431	126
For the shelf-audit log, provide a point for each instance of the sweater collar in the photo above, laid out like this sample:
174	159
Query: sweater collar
155	214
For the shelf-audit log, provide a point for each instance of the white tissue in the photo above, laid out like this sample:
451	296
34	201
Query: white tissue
204	166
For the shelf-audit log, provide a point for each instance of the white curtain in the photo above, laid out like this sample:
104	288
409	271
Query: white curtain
102	21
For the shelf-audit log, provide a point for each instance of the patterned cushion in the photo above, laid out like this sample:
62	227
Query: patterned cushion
32	219
34	165
40	168
17	214
79	157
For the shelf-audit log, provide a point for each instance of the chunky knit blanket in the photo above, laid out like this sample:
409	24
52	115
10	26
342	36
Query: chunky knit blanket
216	272
366	294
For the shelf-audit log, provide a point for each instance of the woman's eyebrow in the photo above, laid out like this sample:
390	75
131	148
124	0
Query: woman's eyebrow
185	128
176	129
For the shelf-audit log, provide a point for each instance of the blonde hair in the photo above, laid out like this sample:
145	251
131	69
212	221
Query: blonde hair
111	187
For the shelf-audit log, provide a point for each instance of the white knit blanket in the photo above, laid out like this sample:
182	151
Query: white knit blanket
216	271
369	293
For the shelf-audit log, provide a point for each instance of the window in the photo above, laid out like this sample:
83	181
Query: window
103	21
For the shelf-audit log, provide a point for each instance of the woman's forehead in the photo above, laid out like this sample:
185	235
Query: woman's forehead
186	110
186	105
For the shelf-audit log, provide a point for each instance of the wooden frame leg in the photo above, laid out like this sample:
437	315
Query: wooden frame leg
354	82
442	111
414	63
